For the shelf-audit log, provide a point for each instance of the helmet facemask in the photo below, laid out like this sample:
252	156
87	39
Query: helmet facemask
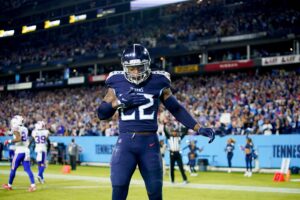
137	71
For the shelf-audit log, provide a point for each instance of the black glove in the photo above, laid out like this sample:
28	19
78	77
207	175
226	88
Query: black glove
132	99
207	132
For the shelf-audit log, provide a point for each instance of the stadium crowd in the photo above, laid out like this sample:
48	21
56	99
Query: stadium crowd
193	21
257	103
14	4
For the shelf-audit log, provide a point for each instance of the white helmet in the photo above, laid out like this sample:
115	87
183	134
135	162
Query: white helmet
39	125
16	122
20	119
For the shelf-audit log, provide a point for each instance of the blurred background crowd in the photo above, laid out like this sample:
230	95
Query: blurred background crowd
254	103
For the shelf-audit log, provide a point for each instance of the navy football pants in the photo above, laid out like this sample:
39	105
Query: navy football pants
134	150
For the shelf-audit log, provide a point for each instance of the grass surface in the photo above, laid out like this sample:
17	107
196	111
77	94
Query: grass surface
90	188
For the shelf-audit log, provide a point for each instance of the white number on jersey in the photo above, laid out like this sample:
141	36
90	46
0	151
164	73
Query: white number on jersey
142	108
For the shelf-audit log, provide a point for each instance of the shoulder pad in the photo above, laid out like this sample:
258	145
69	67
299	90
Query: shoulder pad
163	73
114	73
23	129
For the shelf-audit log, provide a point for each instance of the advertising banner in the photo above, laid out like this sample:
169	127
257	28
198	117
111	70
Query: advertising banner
228	65
280	60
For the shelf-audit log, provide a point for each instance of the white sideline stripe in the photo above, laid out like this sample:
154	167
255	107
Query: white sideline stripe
42	187
166	184
295	180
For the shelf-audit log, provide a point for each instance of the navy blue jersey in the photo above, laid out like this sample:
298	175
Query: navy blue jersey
144	117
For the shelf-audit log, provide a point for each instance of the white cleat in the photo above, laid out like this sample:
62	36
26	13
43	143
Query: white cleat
7	187
32	189
40	180
249	174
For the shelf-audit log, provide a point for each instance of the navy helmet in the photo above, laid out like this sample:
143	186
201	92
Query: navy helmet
136	57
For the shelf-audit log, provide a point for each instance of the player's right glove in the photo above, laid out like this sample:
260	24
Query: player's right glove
132	99
207	132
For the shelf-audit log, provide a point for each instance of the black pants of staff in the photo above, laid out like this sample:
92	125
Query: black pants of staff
73	162
229	158
249	162
175	156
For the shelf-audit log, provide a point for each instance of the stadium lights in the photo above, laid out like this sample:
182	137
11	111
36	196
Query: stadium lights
50	24
102	13
4	33
27	29
78	18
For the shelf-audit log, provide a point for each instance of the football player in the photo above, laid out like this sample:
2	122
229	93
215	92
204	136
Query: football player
40	136
136	93
20	139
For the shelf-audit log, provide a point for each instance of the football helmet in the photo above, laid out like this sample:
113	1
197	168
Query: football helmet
16	122
39	125
136	63
20	119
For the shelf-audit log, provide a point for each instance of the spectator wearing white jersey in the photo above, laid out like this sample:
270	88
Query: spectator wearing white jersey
267	127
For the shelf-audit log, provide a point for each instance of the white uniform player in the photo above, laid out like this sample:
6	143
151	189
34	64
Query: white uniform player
40	135
22	156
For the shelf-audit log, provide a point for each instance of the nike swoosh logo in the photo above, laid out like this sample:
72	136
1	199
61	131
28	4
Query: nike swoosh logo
151	145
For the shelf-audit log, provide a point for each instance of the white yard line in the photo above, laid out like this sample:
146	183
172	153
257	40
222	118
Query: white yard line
166	184
295	180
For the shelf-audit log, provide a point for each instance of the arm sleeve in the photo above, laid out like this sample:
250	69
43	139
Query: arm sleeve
179	112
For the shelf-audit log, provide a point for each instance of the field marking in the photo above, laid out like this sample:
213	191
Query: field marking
166	184
60	187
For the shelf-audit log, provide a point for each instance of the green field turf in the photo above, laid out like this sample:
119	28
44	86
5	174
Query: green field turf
92	183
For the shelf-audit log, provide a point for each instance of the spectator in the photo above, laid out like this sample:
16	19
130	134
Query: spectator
267	127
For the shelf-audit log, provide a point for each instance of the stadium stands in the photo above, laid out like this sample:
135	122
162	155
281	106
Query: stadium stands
252	100
193	22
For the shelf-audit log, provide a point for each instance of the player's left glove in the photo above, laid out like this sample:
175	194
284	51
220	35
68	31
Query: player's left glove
6	142
207	132
132	99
